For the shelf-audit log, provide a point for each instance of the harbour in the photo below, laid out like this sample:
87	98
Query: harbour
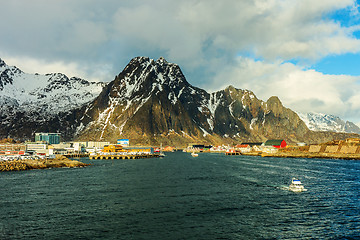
213	196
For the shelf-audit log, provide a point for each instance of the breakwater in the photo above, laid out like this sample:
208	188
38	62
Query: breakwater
300	154
125	156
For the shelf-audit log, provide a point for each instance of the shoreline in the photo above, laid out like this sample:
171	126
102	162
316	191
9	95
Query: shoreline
354	156
30	164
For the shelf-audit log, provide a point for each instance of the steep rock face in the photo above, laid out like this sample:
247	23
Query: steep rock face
32	102
146	100
151	102
281	122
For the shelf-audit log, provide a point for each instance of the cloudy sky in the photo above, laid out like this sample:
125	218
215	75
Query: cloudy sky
304	51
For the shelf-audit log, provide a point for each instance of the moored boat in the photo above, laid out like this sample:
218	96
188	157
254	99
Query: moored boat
194	154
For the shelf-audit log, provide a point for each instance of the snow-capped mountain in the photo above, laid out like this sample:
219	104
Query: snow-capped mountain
149	102
50	93
325	122
39	98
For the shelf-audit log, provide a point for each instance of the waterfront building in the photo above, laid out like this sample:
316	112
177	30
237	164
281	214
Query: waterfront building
199	147
353	141
123	142
92	144
112	149
139	150
12	147
40	148
277	143
252	144
243	148
50	138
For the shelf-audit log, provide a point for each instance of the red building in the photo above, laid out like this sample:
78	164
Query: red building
278	143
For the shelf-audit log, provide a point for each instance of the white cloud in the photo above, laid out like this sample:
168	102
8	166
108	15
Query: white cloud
71	69
188	32
96	39
272	29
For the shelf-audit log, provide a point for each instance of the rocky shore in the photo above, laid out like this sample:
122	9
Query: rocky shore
28	164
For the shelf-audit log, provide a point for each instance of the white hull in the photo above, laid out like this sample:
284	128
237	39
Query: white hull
296	186
194	154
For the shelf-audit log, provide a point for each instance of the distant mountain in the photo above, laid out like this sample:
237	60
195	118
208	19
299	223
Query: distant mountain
325	122
33	102
149	102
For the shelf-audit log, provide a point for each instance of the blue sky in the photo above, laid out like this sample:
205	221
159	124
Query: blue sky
303	51
348	64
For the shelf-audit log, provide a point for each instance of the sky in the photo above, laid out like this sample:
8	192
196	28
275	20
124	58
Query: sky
305	52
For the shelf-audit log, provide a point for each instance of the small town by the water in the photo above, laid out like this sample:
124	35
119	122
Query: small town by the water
48	150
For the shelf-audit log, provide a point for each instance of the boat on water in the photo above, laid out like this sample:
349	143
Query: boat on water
194	154
296	185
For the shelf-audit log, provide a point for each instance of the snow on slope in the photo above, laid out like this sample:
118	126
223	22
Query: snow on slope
49	94
325	122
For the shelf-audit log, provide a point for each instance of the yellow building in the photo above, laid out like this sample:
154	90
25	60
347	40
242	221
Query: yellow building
113	148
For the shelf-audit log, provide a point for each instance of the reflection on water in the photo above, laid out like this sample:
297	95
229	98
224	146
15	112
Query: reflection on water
212	196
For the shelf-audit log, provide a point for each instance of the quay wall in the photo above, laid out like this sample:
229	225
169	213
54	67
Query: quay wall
128	156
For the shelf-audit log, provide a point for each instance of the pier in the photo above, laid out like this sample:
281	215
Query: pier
233	153
76	155
127	156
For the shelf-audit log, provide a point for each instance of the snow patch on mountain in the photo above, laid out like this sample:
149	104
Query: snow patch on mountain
47	94
326	122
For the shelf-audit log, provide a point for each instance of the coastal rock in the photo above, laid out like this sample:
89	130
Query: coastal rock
28	164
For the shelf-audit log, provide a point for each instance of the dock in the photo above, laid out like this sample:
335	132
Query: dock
127	156
76	155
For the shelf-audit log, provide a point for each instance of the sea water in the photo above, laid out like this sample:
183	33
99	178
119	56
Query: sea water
211	196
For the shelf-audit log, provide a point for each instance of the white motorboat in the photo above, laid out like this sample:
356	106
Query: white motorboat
296	185
194	154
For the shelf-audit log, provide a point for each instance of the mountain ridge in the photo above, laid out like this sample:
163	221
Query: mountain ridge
149	102
327	122
35	102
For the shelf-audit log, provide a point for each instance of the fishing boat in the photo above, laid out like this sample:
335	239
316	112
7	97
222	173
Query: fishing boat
194	154
296	185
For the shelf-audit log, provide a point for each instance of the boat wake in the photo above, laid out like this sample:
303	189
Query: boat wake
287	188
283	187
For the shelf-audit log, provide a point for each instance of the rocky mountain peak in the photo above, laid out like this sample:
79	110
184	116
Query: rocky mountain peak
2	63
274	100
161	60
143	74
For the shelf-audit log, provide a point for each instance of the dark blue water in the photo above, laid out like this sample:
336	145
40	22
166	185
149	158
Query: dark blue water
212	196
